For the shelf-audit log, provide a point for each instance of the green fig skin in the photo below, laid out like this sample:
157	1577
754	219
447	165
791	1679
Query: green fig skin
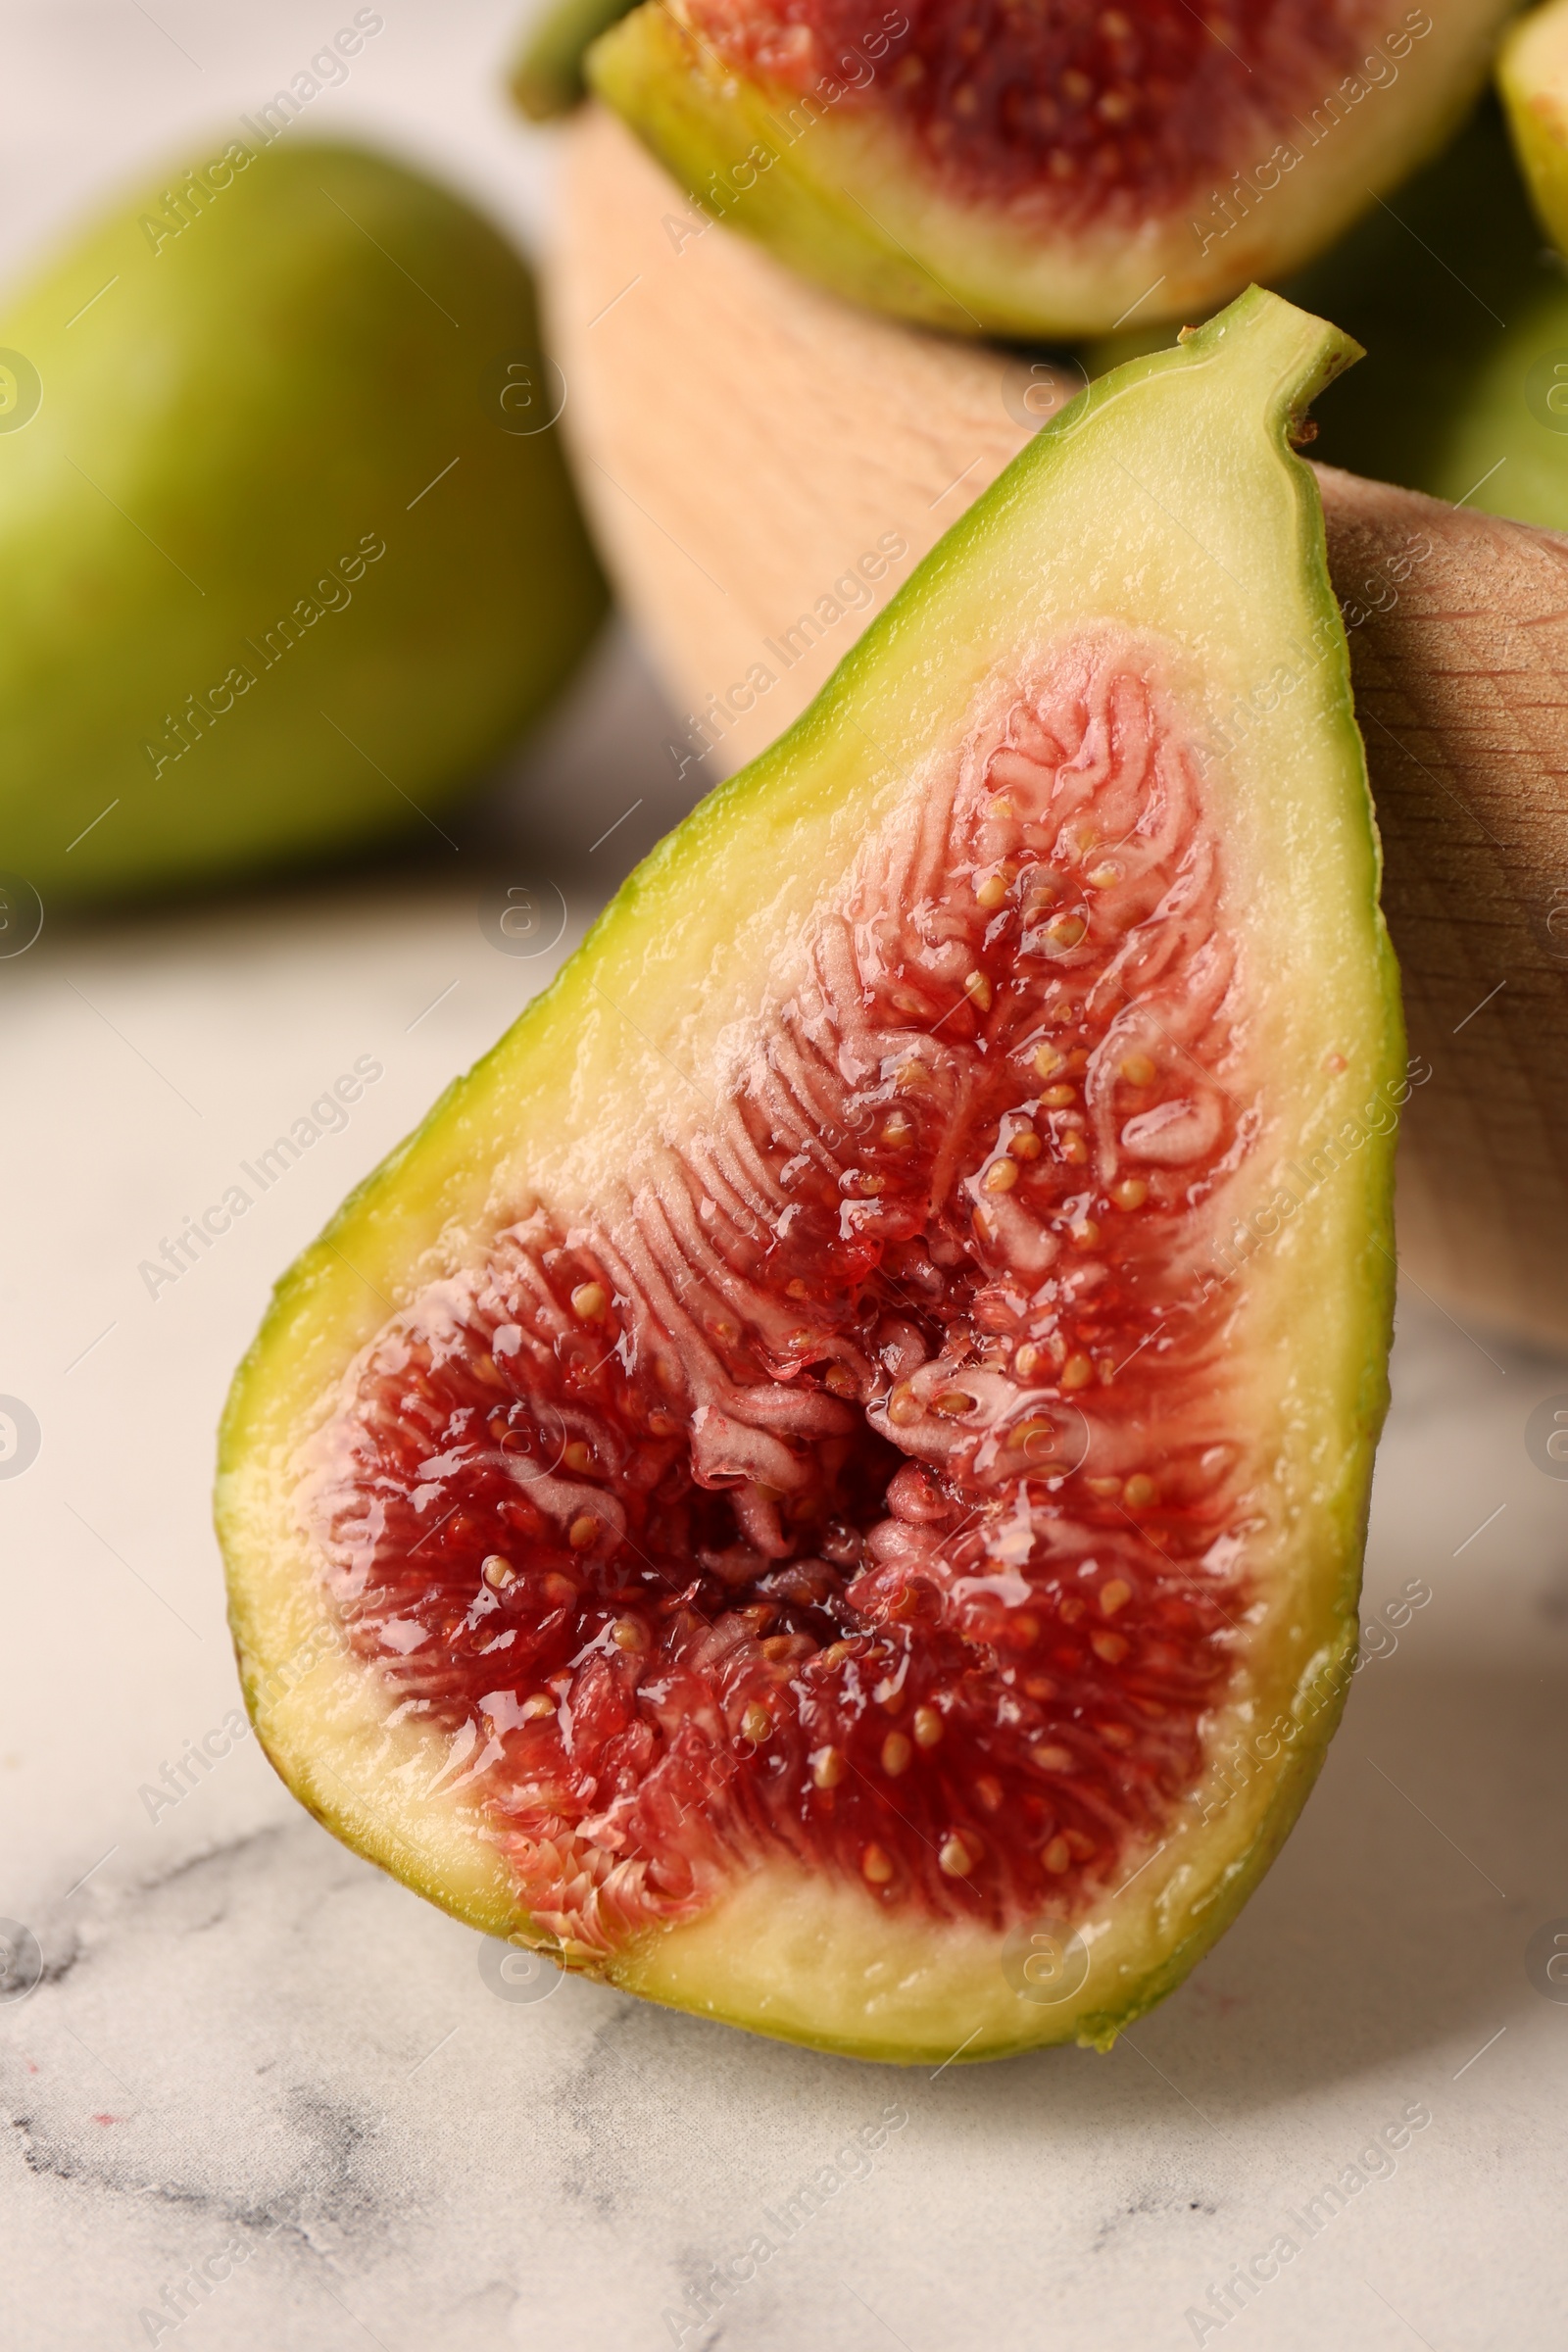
278	569
547	78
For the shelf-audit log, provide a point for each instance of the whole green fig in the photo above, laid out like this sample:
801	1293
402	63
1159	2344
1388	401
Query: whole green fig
288	547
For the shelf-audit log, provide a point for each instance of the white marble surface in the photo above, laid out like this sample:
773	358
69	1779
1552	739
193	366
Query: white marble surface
252	2051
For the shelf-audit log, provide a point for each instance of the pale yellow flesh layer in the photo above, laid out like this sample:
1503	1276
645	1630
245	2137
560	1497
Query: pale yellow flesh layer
1167	501
1532	82
839	191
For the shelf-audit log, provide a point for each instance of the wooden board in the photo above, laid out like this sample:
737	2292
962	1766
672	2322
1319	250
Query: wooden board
743	442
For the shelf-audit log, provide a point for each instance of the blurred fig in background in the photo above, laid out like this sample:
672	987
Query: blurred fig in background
288	547
1464	313
547	78
1463	309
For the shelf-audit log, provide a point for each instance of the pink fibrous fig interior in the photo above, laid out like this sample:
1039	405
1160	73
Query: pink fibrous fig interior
1073	113
862	1483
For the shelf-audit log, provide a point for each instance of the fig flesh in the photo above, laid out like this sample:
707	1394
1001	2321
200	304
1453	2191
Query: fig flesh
825	1485
1041	172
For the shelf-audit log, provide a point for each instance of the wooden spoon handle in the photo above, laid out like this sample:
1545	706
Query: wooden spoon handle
764	464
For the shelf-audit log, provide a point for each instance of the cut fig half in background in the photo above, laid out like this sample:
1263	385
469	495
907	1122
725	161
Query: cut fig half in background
1042	170
825	1483
1533	81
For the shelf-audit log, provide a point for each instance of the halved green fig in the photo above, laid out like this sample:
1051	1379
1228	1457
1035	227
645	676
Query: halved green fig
1533	81
1042	170
825	1483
